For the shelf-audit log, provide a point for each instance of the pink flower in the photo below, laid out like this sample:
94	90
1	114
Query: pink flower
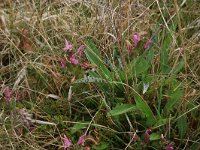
81	140
67	142
8	93
73	60
68	46
169	147
148	44
80	50
136	38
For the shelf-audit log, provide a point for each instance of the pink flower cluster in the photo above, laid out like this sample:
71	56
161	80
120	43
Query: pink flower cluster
136	40
72	59
68	46
67	142
72	56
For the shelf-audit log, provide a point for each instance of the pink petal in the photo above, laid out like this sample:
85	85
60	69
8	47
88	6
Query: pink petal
67	142
148	44
68	46
73	60
81	140
80	50
136	38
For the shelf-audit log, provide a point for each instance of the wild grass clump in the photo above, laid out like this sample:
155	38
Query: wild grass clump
99	75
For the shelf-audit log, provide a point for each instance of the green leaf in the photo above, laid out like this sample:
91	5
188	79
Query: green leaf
94	57
139	66
164	49
150	55
144	107
78	127
194	112
103	146
154	136
174	99
180	65
182	126
124	108
162	122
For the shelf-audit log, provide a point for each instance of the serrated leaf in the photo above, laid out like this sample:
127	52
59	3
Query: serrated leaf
124	108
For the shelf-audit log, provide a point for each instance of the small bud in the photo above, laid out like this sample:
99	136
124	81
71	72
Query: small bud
136	38
147	135
67	142
80	50
148	44
81	140
68	46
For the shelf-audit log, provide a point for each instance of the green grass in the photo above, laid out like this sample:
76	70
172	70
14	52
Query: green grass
107	102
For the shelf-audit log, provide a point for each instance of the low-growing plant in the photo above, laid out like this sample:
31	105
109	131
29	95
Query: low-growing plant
155	95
